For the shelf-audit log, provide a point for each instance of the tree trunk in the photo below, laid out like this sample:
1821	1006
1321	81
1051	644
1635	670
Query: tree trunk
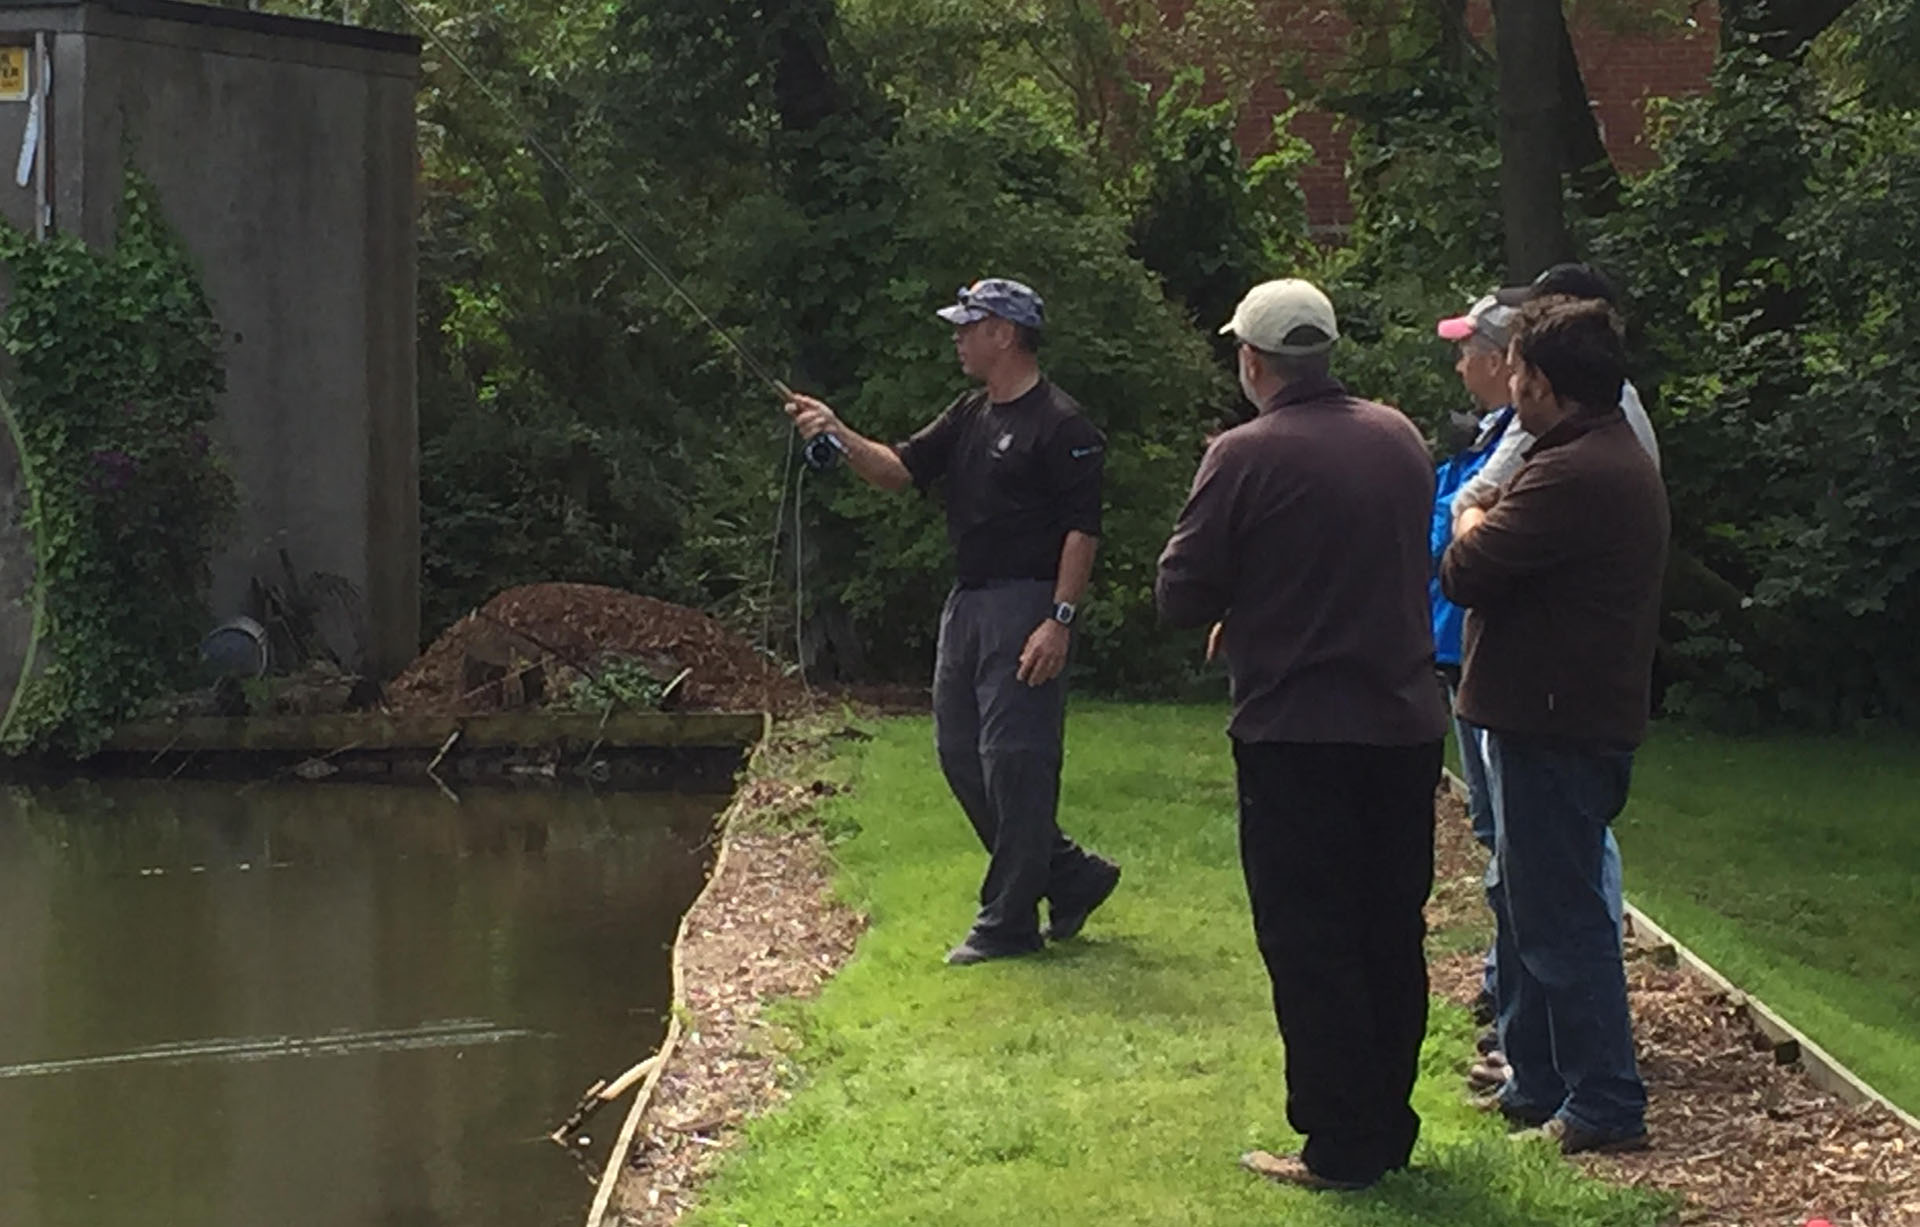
1528	36
1457	48
1586	160
1782	29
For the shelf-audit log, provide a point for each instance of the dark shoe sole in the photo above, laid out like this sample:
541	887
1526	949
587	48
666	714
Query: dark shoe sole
1066	925
1619	1145
1517	1119
1574	1140
1631	1144
966	954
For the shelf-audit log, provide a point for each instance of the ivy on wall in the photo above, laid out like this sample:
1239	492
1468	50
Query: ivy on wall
114	365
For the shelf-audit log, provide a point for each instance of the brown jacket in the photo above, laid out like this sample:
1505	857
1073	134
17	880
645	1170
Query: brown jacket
1306	532
1561	584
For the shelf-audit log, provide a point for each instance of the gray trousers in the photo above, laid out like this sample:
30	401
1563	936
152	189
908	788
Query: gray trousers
999	741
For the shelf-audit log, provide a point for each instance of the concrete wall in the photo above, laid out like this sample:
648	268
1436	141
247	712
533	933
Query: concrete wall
283	152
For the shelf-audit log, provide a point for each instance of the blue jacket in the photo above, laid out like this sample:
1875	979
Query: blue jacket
1452	474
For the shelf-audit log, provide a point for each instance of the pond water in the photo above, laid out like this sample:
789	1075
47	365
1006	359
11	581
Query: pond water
336	1006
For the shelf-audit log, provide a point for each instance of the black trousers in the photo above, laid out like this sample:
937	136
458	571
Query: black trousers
1337	844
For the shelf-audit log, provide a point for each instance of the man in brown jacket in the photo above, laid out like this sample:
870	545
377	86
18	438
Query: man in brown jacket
1306	536
1561	582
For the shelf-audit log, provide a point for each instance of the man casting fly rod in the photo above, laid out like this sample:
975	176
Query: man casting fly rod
1021	467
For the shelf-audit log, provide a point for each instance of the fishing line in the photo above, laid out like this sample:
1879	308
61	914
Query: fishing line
773	551
799	580
819	450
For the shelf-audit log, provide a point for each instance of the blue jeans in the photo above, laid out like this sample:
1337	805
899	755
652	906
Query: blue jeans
1562	987
1473	772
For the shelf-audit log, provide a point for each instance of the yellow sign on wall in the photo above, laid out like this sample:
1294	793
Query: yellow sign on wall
13	74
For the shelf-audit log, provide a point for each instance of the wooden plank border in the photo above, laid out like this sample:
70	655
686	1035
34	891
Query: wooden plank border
322	734
1820	1066
677	1009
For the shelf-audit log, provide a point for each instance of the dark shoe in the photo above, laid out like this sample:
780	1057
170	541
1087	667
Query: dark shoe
1574	1138
1518	1118
973	951
1069	913
1484	1010
1293	1170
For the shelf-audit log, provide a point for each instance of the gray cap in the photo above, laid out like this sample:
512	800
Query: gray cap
1010	300
1488	319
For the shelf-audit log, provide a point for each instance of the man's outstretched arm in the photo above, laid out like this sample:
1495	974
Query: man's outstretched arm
875	462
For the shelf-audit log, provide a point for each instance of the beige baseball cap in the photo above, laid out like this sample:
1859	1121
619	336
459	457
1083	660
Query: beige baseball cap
1274	310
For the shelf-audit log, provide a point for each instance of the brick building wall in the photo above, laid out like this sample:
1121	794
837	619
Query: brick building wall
1623	71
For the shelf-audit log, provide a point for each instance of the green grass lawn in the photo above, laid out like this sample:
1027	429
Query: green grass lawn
1114	1080
1792	864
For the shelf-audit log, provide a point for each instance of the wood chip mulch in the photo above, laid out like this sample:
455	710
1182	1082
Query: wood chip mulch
1745	1141
770	927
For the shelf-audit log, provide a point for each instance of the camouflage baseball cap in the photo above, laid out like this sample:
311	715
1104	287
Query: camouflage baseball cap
1010	300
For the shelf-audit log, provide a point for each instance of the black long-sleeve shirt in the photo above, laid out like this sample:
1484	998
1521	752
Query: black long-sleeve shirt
1306	533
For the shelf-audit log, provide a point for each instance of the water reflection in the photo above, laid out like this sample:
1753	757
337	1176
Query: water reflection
337	1006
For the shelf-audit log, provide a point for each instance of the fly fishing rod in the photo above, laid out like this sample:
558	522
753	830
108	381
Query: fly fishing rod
819	451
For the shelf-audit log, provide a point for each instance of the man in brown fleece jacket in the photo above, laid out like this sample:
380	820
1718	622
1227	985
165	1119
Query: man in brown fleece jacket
1561	582
1306	536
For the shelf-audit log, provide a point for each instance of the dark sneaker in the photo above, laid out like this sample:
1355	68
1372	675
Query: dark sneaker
1068	915
1574	1138
1293	1170
973	951
1518	1118
1484	1009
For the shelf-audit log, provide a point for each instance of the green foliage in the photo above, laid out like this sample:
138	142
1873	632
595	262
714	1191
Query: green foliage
821	189
1426	236
570	405
1775	254
822	173
1206	224
115	368
617	684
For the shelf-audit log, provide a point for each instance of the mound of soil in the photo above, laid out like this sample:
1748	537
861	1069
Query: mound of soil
527	645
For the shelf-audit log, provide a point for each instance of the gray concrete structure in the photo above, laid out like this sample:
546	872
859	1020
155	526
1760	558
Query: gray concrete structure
283	154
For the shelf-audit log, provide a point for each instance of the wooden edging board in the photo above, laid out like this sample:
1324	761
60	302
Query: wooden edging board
677	1010
320	734
1820	1066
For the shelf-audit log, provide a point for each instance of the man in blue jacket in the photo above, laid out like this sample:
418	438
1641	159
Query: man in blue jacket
1481	337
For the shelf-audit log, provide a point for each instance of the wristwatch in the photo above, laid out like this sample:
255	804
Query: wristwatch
1063	613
